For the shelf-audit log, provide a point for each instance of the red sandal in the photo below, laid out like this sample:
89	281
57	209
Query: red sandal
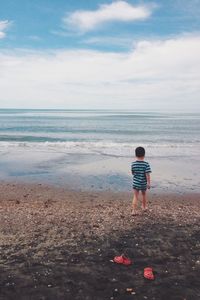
148	273
122	260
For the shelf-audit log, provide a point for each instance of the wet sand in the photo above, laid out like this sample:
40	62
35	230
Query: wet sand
59	244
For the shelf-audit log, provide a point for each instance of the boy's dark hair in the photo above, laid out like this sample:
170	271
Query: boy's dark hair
139	152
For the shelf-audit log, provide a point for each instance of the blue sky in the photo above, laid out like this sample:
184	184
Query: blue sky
100	54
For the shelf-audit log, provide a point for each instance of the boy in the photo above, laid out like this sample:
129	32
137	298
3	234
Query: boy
141	178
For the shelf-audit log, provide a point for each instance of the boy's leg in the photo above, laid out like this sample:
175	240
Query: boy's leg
144	200
135	201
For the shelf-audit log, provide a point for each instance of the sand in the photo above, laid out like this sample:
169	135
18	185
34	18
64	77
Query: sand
59	244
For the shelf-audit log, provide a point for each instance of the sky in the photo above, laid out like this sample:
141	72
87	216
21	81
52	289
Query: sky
91	54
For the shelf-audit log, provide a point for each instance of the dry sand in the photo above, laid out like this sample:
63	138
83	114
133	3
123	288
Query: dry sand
58	244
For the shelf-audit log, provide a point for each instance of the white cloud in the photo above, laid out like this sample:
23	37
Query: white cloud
160	74
3	27
35	38
116	11
120	41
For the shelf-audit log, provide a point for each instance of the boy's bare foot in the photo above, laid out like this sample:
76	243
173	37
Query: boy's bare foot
145	208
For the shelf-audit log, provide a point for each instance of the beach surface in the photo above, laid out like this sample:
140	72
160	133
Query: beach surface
60	244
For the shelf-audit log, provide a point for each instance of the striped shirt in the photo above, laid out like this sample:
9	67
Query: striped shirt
139	169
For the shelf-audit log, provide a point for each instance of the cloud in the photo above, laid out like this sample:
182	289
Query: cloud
3	27
35	38
120	41
116	11
156	74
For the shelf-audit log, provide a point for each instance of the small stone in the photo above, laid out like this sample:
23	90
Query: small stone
198	262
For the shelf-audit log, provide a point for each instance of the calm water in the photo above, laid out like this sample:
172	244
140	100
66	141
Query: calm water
103	132
95	148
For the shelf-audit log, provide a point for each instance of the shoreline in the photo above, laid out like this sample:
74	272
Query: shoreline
50	186
58	244
97	173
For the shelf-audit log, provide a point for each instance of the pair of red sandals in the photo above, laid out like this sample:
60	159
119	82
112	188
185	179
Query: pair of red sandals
148	272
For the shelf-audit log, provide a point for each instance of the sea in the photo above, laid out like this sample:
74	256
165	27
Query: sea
93	149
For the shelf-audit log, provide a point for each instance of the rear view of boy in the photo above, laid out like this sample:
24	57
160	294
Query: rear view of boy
141	178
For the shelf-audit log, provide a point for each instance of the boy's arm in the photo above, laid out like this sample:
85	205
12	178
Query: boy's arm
148	177
132	170
147	173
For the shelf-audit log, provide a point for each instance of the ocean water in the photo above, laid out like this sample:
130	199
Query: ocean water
47	144
102	132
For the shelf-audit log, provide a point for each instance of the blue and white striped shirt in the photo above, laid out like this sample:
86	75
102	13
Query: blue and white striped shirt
139	169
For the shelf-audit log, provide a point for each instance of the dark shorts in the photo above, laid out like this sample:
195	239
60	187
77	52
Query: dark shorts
141	188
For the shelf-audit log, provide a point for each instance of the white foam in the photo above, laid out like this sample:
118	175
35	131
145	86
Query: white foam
105	148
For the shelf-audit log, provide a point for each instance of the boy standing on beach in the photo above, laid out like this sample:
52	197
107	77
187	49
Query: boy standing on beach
141	178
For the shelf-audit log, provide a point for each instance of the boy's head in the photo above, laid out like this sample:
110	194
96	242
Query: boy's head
139	152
